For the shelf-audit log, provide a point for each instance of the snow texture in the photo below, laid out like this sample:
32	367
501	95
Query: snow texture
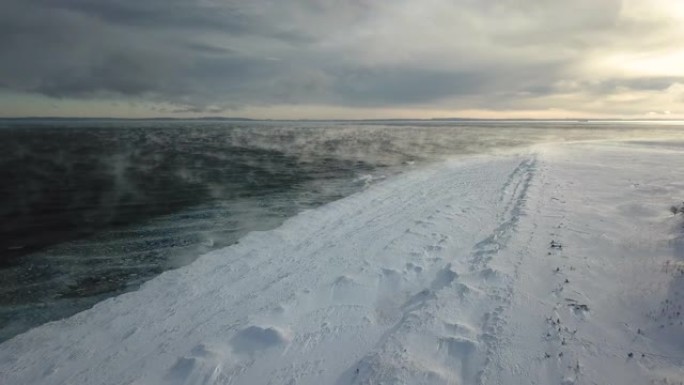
561	264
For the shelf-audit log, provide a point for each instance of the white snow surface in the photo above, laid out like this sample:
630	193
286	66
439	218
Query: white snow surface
559	264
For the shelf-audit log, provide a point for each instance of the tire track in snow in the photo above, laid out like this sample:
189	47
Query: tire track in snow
499	287
434	344
513	202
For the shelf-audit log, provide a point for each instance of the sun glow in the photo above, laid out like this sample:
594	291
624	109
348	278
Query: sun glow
668	63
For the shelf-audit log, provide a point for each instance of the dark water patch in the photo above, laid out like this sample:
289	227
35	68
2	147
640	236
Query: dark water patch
68	183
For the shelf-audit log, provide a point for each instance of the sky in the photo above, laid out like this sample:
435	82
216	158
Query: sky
343	59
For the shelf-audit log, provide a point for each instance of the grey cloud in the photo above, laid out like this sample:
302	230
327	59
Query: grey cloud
615	85
154	13
198	109
640	84
177	15
205	56
59	49
209	49
60	53
383	86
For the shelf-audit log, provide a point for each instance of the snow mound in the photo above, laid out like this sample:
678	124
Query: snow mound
255	338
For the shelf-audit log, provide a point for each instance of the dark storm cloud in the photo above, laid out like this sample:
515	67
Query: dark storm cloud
155	13
61	53
171	14
208	55
77	48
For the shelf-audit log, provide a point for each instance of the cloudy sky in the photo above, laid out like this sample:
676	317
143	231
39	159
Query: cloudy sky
343	58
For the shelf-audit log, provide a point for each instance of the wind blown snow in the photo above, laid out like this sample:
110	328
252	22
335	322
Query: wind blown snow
560	264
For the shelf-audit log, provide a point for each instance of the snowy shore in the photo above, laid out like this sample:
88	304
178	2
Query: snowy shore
560	264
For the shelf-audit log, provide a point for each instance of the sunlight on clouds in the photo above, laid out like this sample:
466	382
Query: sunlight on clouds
662	10
658	49
634	64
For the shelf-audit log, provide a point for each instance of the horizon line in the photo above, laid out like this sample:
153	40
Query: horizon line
226	118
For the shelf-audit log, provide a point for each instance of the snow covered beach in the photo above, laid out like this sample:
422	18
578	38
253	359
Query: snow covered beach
558	264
